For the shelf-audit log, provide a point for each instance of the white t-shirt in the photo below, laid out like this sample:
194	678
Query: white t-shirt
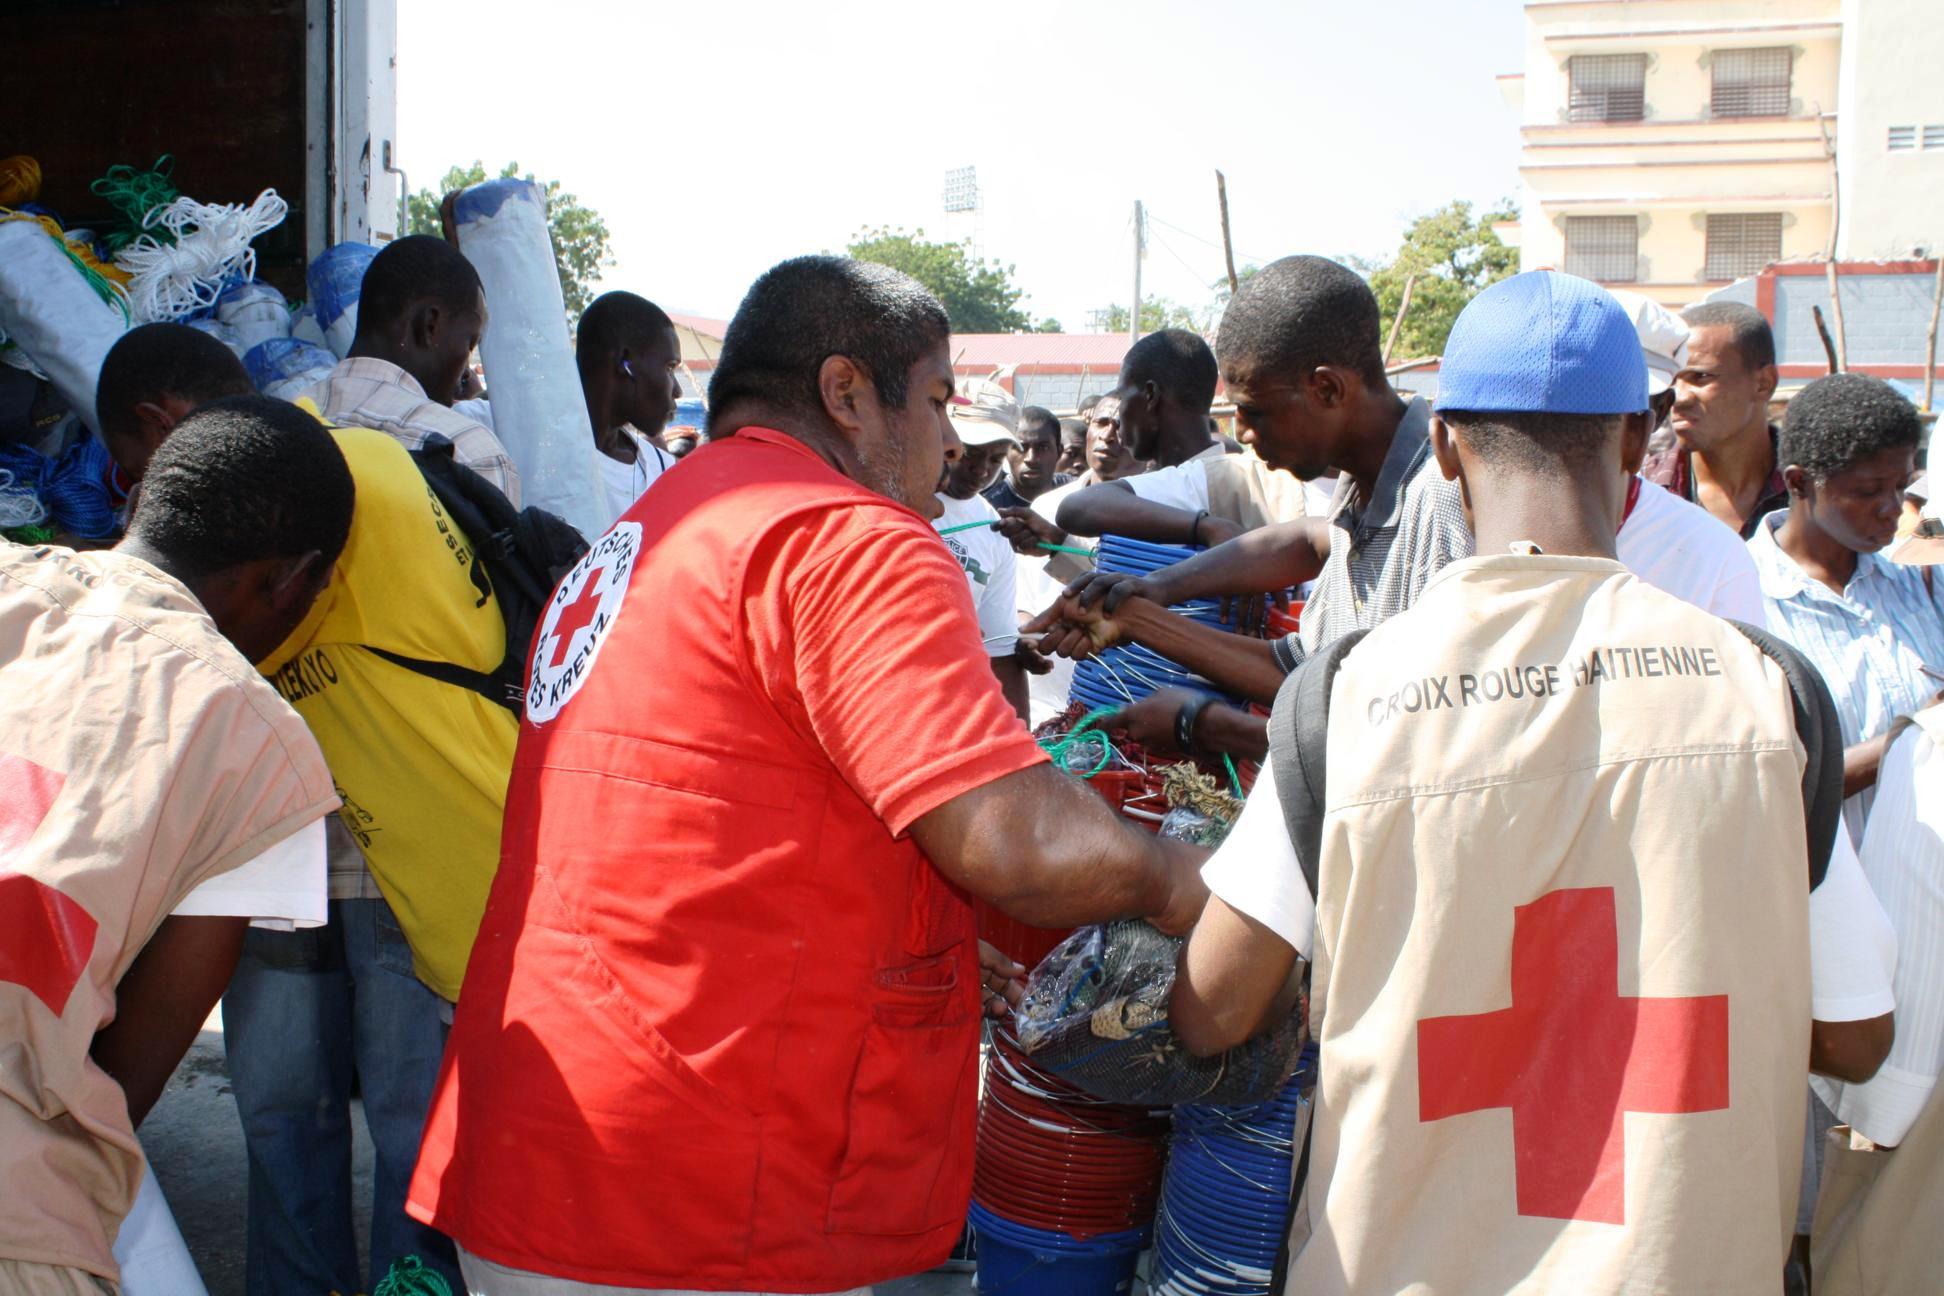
1852	948
987	560
624	483
1686	551
281	889
1184	486
1903	862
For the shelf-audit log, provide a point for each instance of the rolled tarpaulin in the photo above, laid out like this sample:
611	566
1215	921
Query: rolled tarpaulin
539	412
55	316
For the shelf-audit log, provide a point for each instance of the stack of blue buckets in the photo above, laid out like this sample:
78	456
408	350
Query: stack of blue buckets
1129	672
1225	1200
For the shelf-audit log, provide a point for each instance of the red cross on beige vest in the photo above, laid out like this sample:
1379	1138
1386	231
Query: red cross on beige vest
45	938
1572	1056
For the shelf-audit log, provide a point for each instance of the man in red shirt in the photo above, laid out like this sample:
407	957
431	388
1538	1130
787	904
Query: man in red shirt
719	1027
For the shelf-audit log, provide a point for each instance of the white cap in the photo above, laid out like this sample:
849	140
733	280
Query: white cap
984	412
1663	338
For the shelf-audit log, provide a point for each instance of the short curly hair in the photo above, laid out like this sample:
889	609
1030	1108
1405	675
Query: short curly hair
1835	422
1300	313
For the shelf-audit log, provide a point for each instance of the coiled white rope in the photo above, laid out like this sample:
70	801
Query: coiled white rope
19	507
212	244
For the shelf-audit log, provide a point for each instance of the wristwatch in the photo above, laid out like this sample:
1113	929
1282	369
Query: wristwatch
1185	720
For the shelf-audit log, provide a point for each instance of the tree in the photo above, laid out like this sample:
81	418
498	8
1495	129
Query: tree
1454	255
1157	313
580	236
980	296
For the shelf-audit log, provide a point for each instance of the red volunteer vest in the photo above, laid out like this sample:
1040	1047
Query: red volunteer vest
719	1027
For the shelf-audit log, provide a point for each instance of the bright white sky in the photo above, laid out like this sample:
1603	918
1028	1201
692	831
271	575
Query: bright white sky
719	137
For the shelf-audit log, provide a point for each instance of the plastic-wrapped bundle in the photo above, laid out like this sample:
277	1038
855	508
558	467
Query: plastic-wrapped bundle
224	333
539	411
286	368
335	277
255	310
54	315
1096	1015
305	328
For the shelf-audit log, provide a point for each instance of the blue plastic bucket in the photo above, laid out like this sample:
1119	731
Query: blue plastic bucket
1018	1261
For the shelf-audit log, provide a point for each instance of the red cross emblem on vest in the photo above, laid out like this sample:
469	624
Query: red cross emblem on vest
46	939
576	617
1572	1056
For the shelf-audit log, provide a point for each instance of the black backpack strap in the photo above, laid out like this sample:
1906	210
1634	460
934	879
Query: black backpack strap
491	687
1822	743
1299	742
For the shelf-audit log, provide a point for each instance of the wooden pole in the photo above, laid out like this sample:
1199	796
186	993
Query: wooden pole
1134	315
1930	334
1841	348
1403	304
1829	343
1228	247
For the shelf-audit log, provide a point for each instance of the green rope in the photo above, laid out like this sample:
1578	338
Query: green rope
410	1277
1057	748
133	195
1053	548
1235	780
965	526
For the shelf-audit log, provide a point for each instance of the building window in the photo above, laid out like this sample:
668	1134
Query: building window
1741	244
1902	137
1751	82
1607	87
1605	249
1934	136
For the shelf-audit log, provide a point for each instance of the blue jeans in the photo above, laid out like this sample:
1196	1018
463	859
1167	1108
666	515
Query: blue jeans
305	1009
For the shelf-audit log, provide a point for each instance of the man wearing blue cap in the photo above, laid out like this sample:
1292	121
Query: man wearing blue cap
1559	1049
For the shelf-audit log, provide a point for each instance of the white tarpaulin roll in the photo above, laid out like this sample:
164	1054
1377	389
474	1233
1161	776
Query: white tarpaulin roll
538	410
56	317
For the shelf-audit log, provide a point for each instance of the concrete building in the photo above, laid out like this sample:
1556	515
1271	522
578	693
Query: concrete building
1051	370
1676	146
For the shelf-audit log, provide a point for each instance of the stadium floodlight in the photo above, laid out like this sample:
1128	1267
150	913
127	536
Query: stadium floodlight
962	189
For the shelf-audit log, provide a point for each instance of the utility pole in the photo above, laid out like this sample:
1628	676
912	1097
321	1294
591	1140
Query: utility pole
1140	247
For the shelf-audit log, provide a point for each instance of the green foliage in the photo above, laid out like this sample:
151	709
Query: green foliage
580	236
1048	326
1454	254
980	296
1157	313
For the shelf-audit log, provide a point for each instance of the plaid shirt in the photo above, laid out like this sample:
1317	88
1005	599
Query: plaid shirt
1384	550
370	393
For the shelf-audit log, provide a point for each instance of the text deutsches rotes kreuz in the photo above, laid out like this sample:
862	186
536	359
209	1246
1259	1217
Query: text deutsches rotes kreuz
1534	682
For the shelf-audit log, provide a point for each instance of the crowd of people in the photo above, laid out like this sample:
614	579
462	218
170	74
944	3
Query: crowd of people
1618	909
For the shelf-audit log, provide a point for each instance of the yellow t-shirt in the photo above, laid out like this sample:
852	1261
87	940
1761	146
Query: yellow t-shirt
421	764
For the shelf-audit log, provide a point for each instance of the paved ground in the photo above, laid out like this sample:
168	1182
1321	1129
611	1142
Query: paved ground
196	1146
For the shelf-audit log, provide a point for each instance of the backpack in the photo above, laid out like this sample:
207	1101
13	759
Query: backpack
518	556
1299	733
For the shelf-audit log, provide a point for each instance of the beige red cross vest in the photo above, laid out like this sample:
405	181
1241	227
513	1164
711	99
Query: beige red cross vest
140	755
1561	982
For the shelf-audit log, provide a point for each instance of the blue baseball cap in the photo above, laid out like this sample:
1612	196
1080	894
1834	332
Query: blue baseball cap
1543	343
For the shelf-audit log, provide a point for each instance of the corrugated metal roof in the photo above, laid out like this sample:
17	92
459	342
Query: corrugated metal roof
1102	351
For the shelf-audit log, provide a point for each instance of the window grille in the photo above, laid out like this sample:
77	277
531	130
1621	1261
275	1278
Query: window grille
1605	249
1902	137
1742	243
1934	137
1607	87
1752	82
